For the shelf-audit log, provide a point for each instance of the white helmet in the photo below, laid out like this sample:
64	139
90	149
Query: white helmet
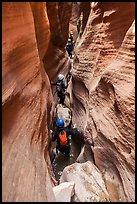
60	76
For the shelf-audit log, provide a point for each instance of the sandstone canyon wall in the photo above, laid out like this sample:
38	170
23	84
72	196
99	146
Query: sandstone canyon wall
26	101
33	53
104	93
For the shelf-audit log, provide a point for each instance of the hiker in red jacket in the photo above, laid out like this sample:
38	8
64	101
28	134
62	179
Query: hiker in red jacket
61	135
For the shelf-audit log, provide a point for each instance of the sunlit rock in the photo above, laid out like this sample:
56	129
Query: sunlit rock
103	93
89	185
64	113
64	191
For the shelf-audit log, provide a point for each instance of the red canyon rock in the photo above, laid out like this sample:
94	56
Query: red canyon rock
26	100
104	93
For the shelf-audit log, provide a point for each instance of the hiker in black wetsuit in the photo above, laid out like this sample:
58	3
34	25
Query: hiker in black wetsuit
61	135
61	87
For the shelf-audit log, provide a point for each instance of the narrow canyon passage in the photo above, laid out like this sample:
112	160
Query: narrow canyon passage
59	162
100	100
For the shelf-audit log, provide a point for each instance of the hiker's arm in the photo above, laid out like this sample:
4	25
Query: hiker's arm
53	136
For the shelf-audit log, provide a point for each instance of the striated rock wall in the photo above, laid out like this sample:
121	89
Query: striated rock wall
79	17
26	102
104	93
33	52
56	59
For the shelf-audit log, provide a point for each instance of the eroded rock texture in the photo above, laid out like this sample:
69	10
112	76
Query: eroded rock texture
26	101
33	52
79	17
56	59
34	37
103	93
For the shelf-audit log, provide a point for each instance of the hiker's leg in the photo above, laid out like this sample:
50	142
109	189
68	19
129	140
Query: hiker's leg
67	151
69	52
62	98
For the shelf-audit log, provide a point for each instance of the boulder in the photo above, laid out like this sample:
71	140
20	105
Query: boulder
64	191
63	113
89	185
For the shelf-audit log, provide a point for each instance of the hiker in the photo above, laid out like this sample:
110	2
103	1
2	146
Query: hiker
71	36
61	87
61	135
69	47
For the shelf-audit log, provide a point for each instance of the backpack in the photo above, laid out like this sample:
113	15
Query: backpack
63	138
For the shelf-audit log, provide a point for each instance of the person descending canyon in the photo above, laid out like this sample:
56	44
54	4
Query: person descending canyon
70	44
71	36
61	135
69	48
61	87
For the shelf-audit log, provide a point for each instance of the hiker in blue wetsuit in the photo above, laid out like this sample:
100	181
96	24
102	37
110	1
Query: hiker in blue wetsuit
61	135
70	44
69	47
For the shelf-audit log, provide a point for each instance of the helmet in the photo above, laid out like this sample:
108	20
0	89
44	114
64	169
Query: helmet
60	123
60	76
69	40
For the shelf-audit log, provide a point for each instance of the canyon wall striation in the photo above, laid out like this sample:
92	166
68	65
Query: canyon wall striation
103	93
34	35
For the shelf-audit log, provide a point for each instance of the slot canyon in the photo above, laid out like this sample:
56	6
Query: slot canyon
101	96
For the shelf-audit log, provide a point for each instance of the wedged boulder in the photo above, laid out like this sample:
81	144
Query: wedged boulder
64	191
64	113
89	185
